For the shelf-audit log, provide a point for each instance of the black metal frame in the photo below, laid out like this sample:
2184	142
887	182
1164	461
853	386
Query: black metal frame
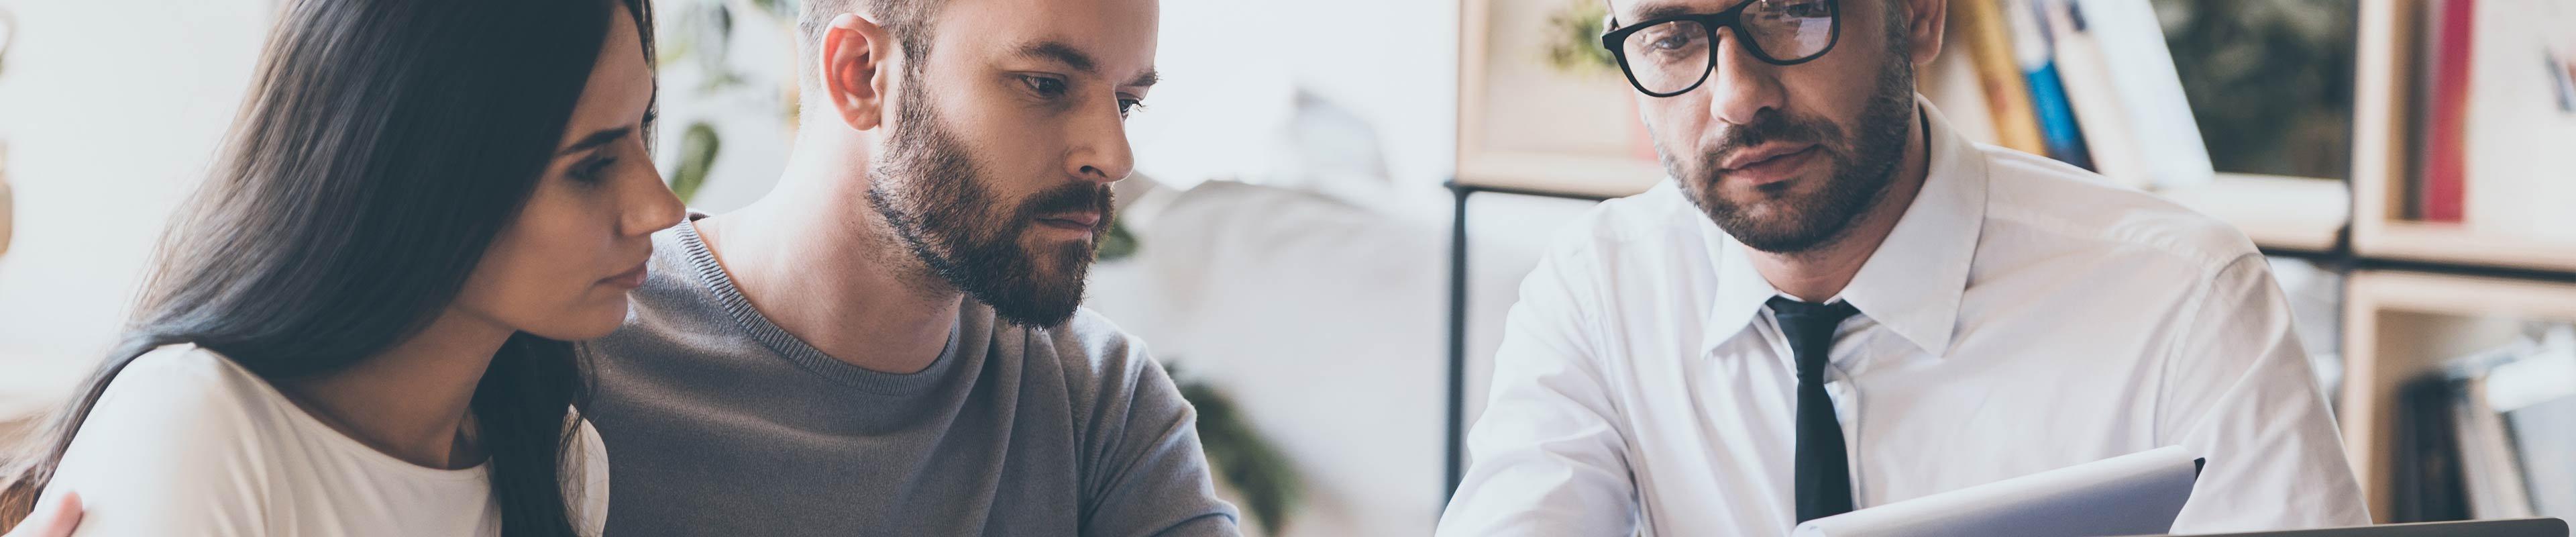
1733	18
1457	446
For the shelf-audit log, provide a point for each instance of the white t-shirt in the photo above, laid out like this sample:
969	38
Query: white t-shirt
185	442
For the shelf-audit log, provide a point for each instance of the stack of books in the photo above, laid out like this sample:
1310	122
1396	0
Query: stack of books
2492	435
2494	108
2087	82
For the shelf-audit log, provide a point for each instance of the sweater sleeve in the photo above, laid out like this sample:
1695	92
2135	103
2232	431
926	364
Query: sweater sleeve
1144	471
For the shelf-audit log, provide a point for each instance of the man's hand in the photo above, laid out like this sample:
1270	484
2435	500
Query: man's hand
54	517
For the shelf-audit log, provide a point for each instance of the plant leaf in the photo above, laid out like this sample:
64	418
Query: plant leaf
1268	481
1575	43
782	9
1119	243
698	148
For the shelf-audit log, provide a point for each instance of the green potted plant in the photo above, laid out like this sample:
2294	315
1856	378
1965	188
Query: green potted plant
1574	39
1574	49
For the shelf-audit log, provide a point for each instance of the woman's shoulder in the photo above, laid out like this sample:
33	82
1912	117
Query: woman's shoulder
186	382
184	399
188	406
181	438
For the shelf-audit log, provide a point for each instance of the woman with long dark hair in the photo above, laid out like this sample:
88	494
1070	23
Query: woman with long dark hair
359	327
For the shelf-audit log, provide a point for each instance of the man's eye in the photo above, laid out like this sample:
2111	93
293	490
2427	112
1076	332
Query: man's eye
1129	106
1673	41
1044	86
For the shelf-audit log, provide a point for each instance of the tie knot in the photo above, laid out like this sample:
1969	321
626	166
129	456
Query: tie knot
1836	310
1798	318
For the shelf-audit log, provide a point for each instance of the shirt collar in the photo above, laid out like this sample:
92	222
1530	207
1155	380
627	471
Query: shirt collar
1913	282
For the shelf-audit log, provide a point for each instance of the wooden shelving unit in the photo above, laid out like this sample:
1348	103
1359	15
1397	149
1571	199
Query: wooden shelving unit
2425	292
2417	294
2450	244
2384	72
2399	325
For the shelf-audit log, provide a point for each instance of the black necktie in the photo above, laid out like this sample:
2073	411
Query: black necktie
1823	477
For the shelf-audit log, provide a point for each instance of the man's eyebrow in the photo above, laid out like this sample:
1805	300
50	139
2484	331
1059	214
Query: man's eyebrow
1058	51
596	139
1074	58
1659	11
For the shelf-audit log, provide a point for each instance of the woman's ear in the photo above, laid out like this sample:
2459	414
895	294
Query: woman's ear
856	56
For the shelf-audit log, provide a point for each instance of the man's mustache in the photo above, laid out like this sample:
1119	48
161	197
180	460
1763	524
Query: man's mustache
1770	125
1084	197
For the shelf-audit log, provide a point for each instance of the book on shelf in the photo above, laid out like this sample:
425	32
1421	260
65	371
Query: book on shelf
2533	398
2425	481
2489	472
2132	72
2036	57
1978	28
2442	174
2092	82
2094	97
2492	115
2491	435
2548	427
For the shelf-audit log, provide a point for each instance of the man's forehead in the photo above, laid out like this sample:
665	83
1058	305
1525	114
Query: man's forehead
1115	38
1633	10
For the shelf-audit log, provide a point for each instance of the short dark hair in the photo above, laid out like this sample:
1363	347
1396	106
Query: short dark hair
907	20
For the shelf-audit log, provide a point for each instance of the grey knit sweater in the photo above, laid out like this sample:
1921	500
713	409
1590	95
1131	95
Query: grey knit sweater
720	423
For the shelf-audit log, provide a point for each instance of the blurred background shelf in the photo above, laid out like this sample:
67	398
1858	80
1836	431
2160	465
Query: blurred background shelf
2387	131
2401	240
2299	215
2400	326
1548	174
2411	148
2468	287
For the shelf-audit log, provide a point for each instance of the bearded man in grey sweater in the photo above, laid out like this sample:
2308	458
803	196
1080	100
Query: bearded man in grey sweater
890	342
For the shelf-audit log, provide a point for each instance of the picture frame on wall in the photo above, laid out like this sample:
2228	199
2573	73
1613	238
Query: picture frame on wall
1541	109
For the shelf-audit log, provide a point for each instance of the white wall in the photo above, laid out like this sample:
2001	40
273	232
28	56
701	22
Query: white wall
111	110
1229	68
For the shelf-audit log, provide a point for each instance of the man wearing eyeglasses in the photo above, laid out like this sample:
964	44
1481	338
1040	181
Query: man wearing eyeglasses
1836	302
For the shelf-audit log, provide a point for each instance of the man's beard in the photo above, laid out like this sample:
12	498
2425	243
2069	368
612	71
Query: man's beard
930	190
1862	171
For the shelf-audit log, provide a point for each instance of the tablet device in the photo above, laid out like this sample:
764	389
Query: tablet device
2138	493
2523	527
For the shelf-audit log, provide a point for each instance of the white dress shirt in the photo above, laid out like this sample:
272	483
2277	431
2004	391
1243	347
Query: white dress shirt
2024	315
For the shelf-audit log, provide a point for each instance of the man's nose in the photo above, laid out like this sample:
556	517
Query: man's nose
1740	86
1100	152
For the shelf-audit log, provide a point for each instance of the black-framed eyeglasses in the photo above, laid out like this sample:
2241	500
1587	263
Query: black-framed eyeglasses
1671	55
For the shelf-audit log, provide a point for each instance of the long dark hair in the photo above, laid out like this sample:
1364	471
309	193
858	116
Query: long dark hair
383	147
